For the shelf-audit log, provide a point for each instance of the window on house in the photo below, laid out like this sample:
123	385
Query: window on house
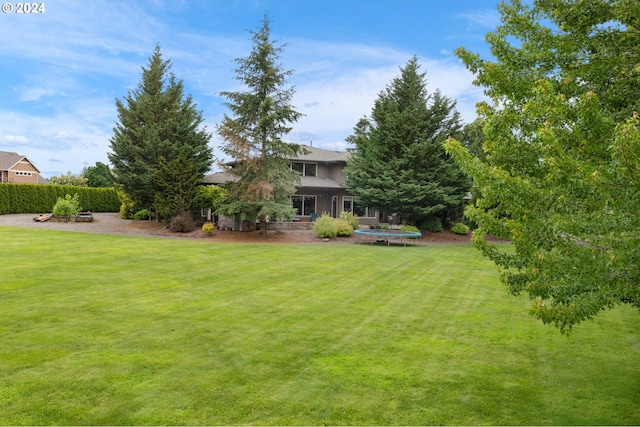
304	205
298	167
310	169
349	204
304	169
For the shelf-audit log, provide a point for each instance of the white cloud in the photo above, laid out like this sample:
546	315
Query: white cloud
483	18
63	138
79	56
80	36
334	102
336	84
14	139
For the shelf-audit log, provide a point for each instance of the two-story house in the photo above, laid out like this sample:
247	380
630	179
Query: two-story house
16	168
322	186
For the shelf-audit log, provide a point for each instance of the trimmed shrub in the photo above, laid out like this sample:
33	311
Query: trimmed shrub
327	227
343	227
207	228
460	228
433	224
182	223
68	206
409	228
143	214
324	227
128	207
351	219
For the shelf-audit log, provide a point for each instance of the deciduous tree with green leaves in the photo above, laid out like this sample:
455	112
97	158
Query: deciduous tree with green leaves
560	174
472	138
98	175
253	133
69	179
159	128
399	164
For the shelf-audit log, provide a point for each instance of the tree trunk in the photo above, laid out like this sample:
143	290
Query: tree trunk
263	227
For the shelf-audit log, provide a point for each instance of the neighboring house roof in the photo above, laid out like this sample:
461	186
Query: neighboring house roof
9	159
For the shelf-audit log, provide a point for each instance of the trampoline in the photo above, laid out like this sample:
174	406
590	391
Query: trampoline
383	236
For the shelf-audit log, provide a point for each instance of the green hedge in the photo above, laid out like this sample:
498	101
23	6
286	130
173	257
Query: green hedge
37	198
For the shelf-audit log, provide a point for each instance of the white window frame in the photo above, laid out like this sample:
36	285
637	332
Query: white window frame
303	204
368	212
304	168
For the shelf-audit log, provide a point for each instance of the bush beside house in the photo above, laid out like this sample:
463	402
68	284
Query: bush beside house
328	227
208	228
460	228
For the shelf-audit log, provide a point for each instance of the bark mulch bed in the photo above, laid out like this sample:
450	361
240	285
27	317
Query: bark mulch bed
111	223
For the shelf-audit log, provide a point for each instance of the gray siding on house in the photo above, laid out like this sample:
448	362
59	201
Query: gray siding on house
327	186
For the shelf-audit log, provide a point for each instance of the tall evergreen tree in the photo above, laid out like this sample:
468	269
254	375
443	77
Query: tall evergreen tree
399	164
157	124
260	118
560	174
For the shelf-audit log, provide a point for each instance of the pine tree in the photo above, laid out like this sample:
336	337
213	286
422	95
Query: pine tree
260	118
156	125
399	164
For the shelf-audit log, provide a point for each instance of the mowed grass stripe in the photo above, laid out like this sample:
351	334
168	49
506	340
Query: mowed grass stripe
101	329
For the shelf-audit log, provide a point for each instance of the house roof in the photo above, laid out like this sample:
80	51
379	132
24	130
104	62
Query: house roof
218	178
319	182
8	159
305	181
315	154
320	155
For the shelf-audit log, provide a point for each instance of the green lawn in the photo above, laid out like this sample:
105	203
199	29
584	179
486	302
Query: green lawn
99	329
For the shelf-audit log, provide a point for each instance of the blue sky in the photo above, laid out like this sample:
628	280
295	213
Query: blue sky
62	70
